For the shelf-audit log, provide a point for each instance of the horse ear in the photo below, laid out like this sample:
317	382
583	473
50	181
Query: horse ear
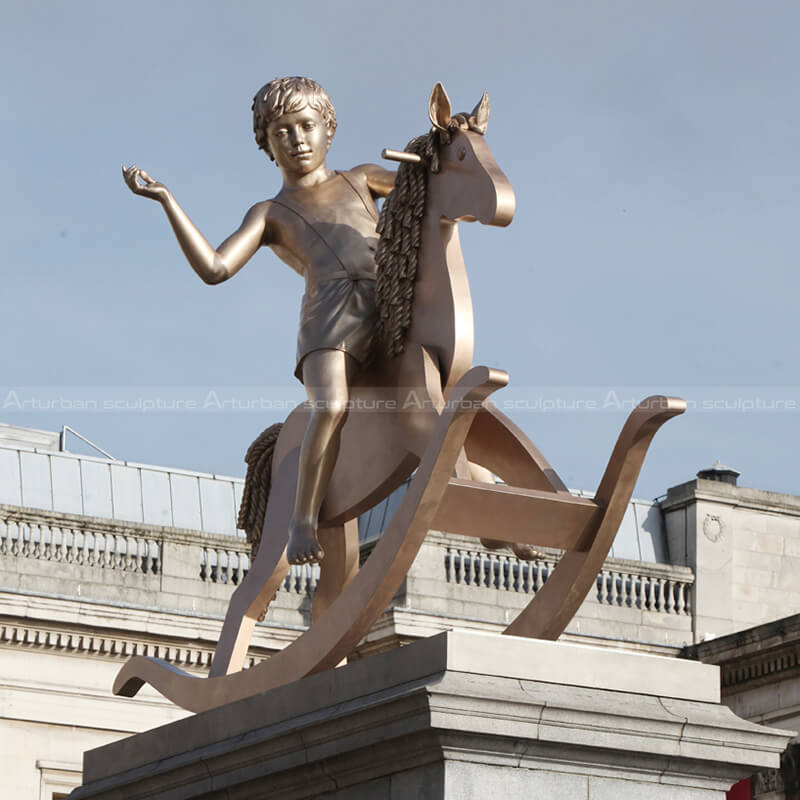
479	118
439	107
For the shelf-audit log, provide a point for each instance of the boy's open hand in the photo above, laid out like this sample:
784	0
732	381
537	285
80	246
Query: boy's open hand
139	182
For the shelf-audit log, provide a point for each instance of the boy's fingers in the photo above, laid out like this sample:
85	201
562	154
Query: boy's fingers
145	177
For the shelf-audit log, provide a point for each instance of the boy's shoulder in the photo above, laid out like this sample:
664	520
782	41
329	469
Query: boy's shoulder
366	170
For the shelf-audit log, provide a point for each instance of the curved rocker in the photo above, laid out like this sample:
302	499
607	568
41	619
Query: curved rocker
353	612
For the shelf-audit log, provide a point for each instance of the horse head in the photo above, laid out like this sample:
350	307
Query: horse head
465	183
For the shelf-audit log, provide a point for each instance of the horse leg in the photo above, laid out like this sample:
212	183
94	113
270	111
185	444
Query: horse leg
254	594
339	566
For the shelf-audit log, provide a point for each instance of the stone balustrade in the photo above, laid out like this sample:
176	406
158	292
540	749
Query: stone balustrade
659	588
191	571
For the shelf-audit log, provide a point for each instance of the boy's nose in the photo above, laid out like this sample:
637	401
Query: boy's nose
296	135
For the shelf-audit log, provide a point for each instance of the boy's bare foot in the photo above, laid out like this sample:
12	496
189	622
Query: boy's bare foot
303	547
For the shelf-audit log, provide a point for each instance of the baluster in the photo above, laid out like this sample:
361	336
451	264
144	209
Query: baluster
448	565
68	542
680	599
491	570
121	551
508	579
45	533
233	562
659	594
59	544
150	558
25	535
628	589
688	597
131	554
668	600
537	576
89	549
75	552
4	540
15	534
608	587
33	544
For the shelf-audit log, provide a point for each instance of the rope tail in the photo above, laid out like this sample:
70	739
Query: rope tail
257	485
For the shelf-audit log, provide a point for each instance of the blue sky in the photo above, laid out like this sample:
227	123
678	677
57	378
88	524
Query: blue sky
652	147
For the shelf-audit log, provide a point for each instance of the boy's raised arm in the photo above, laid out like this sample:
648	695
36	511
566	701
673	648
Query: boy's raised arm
213	266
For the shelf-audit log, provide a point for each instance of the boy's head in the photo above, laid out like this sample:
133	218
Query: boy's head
283	96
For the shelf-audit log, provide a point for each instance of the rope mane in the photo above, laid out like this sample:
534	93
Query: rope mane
400	232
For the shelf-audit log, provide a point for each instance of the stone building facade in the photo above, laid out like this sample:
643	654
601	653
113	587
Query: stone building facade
102	559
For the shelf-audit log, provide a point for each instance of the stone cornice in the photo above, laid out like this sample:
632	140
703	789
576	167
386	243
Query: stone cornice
98	629
725	494
762	654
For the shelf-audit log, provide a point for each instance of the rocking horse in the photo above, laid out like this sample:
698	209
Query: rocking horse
436	427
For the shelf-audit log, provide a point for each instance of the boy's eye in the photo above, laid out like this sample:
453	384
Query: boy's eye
309	126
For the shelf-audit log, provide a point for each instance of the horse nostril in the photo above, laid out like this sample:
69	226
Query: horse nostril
462	152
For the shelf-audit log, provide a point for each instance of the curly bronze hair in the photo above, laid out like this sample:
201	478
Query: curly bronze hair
283	96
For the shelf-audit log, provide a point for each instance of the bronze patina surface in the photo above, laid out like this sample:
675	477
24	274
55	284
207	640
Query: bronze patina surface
423	408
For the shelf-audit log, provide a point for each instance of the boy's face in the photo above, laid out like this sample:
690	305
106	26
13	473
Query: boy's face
299	141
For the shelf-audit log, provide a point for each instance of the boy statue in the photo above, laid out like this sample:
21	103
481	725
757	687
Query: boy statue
322	224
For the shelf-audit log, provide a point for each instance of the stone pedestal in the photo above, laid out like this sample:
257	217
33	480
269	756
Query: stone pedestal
460	715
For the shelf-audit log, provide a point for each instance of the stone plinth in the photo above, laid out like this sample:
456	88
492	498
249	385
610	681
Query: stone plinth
460	715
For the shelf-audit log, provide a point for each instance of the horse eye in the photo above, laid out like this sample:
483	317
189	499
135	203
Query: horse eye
462	152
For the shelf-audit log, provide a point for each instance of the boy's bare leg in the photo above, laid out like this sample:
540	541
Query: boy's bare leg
326	376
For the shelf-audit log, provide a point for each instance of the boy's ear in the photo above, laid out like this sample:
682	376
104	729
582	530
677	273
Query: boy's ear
439	107
479	118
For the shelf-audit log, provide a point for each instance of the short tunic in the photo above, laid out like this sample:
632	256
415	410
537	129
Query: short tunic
338	310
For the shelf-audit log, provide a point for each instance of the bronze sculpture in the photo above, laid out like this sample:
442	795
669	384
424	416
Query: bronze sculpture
450	434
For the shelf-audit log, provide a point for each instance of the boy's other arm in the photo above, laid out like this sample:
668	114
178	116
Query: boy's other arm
213	266
380	181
